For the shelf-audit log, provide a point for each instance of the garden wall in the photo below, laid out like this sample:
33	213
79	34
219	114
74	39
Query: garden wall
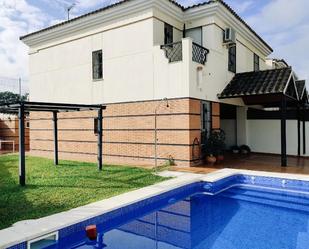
128	133
9	131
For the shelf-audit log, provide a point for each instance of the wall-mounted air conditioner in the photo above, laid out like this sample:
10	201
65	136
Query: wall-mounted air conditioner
229	36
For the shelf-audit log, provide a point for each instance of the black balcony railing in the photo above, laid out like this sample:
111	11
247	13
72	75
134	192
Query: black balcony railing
199	53
173	51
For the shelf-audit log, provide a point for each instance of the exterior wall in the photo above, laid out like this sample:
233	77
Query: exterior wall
215	74
229	127
63	73
242	125
265	136
9	131
135	68
137	72
262	135
128	133
215	116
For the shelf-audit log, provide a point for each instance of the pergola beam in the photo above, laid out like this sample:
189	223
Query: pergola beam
25	106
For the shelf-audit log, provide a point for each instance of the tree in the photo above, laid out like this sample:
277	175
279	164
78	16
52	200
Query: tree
9	97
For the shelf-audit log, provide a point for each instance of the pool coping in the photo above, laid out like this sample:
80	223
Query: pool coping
25	231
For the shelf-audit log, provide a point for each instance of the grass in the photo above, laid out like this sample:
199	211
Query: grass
51	189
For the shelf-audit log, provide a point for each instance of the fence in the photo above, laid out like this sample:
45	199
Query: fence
15	85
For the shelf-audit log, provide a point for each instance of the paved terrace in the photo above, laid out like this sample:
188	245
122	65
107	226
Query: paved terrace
259	162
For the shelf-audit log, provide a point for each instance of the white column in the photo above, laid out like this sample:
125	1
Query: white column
242	125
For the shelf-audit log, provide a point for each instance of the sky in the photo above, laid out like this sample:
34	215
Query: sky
284	24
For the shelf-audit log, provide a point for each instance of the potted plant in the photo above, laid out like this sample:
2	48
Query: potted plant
245	150
211	159
215	146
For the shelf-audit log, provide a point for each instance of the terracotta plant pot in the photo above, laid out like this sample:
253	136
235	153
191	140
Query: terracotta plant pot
211	160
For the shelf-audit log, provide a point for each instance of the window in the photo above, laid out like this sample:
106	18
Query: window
97	65
205	120
95	126
256	62
168	33
232	59
195	34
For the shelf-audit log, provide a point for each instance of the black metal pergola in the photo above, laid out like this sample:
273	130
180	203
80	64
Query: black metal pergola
23	107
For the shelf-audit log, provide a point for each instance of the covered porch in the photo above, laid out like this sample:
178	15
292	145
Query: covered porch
276	90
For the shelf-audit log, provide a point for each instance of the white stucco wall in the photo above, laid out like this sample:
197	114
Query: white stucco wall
265	136
135	68
63	73
215	74
229	127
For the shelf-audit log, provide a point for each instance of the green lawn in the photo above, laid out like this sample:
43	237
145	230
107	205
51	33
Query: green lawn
51	189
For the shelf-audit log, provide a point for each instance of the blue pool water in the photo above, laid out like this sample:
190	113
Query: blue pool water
243	217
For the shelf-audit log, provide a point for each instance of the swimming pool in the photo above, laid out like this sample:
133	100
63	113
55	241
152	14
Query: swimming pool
236	212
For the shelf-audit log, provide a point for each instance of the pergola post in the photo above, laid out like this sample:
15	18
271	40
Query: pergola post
298	130
22	159
304	129
100	133
283	132
55	119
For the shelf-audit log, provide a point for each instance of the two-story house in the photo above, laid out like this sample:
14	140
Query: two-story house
157	66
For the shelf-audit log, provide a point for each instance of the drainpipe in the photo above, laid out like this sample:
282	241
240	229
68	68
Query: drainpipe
156	132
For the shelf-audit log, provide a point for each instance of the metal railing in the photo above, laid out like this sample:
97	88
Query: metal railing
199	53
173	51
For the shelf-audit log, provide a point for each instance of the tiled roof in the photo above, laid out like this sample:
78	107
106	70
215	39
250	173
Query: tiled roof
257	83
172	1
302	91
300	85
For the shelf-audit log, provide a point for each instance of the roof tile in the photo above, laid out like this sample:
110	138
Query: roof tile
257	83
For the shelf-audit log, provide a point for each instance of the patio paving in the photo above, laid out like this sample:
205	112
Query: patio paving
260	162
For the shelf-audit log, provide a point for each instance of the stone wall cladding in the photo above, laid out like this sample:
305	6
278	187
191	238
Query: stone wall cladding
128	133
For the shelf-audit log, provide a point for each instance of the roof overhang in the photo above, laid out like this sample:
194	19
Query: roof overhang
104	15
132	7
265	88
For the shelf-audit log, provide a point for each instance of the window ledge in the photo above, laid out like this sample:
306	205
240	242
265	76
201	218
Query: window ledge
97	80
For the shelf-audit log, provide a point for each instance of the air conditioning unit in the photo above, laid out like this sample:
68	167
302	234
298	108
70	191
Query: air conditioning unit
229	36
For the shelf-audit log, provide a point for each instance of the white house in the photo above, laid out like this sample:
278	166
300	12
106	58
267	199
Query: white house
133	54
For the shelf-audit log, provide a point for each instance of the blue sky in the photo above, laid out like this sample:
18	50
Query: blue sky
284	24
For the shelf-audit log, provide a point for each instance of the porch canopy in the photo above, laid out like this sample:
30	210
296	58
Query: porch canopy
23	107
272	88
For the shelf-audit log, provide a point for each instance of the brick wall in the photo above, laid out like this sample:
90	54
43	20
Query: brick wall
9	131
215	112
128	133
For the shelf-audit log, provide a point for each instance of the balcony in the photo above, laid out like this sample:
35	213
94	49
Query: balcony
174	52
